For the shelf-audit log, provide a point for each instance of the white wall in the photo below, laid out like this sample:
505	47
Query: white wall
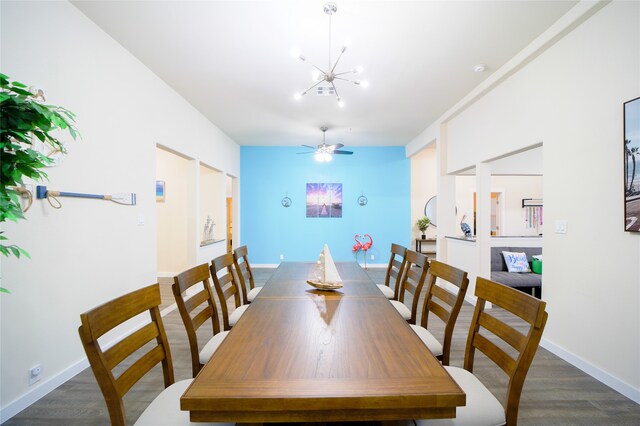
423	187
570	97
89	251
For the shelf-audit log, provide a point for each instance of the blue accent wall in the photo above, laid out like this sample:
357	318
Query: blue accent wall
267	174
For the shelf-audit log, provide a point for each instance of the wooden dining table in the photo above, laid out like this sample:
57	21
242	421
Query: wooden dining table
303	355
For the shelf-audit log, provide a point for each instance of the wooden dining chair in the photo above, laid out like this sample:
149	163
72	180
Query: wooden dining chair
226	286
490	335
245	276
394	272
415	272
444	304
165	408
196	309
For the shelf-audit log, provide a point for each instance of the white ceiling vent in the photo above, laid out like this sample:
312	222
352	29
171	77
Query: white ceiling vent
326	91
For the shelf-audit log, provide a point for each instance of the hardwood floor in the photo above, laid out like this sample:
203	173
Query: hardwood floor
555	392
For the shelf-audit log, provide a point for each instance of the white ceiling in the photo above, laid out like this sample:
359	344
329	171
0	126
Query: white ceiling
231	60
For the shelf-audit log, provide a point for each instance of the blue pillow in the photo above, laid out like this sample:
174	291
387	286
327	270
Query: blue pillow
516	262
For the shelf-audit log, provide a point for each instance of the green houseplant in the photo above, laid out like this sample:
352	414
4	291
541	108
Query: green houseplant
25	121
422	224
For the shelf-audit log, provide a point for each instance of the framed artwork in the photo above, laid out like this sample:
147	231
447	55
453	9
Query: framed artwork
160	191
324	200
632	165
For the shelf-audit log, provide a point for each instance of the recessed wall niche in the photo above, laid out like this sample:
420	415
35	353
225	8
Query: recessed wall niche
212	219
174	214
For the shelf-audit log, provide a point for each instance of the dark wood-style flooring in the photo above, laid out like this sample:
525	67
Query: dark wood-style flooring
555	392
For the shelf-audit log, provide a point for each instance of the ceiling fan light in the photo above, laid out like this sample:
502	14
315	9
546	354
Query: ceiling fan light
327	157
319	156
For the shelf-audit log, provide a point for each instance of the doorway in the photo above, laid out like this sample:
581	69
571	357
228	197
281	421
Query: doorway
229	226
496	213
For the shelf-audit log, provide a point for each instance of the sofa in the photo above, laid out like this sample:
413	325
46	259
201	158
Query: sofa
527	282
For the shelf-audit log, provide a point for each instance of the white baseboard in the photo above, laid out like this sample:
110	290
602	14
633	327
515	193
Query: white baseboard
16	406
265	265
32	396
595	372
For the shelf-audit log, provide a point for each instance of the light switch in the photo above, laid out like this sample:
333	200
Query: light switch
561	227
140	219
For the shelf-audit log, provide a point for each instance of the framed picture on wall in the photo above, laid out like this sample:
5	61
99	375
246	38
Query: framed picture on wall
324	200
632	165
160	191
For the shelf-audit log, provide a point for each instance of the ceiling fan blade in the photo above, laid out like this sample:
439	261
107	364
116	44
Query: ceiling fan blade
339	151
335	146
309	146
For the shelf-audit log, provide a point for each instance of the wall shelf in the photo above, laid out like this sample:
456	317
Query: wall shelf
209	242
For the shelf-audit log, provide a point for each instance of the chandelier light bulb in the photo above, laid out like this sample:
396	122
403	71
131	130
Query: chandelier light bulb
364	83
358	70
297	96
316	75
295	52
340	103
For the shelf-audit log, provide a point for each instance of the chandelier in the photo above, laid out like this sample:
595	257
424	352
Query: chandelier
330	75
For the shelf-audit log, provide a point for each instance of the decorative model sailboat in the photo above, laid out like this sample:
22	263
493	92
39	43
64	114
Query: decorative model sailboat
325	273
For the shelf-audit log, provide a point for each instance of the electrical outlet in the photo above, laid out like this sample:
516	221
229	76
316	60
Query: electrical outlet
373	257
34	374
282	257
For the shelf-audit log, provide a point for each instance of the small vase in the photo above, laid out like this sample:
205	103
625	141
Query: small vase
424	237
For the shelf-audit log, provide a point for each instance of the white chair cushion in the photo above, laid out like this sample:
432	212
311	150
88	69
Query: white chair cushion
165	409
253	293
211	346
482	409
427	338
402	308
235	315
387	291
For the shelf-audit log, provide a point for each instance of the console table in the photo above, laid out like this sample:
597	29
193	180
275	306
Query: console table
419	242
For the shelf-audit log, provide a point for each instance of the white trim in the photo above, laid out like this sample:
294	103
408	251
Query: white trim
265	265
167	274
595	372
31	397
374	265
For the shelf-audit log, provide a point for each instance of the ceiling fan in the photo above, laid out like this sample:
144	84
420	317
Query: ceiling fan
324	152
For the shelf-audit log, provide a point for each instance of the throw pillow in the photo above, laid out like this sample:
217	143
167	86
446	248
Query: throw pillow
516	262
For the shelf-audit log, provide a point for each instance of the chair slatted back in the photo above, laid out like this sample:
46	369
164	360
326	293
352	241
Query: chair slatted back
225	283
529	309
396	268
243	269
195	309
442	303
415	272
100	320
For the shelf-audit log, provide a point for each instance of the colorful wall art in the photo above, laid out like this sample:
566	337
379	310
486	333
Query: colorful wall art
324	200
